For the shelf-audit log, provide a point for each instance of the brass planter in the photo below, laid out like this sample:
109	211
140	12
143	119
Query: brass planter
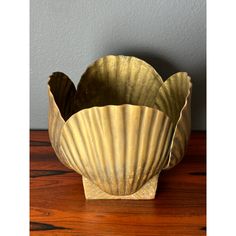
121	127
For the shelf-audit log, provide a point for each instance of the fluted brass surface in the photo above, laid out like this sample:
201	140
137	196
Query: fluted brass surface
119	148
121	127
174	99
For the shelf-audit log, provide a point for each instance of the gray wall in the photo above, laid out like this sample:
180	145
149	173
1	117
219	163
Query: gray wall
68	35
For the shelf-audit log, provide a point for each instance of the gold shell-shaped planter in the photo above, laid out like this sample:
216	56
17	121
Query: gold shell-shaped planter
121	127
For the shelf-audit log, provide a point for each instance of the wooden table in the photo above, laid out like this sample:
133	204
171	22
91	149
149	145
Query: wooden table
58	206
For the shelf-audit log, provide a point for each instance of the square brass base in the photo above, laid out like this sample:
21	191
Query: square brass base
148	191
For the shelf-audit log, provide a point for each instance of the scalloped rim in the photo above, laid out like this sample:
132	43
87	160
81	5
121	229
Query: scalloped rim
93	65
122	105
144	64
180	117
147	65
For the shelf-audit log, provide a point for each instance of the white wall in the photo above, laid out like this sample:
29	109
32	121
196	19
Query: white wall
68	35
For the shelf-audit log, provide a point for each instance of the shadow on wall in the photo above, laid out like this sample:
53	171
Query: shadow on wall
166	69
161	65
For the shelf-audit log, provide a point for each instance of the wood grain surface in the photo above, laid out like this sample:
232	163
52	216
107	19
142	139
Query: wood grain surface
58	205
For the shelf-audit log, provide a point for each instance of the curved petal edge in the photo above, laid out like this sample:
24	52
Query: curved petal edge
56	96
174	98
